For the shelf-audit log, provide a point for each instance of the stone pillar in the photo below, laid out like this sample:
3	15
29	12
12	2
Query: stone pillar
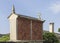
51	27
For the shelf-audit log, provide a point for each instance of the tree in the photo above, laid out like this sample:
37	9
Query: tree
50	38
58	29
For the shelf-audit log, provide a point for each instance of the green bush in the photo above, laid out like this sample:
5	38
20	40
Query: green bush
50	38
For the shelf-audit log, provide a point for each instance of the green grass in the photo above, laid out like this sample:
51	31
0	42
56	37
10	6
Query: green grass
4	38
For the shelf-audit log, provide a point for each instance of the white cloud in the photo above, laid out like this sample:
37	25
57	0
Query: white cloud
55	8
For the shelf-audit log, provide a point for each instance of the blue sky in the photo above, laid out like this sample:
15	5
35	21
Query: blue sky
49	9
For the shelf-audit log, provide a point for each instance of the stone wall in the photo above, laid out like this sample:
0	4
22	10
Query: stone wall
24	27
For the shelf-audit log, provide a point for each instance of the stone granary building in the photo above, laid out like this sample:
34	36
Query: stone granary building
25	29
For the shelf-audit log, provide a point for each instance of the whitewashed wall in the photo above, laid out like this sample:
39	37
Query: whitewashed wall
13	27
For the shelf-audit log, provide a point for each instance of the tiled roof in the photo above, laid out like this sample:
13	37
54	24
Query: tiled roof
28	17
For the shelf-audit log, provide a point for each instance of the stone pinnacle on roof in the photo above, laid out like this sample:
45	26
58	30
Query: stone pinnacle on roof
13	9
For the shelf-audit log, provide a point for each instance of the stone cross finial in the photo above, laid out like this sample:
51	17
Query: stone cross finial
39	16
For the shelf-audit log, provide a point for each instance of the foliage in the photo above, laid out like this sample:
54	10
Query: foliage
58	29
50	38
4	38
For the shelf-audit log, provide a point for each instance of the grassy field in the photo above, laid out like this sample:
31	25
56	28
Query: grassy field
4	37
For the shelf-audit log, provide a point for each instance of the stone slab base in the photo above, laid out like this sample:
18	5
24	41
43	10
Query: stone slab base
27	41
